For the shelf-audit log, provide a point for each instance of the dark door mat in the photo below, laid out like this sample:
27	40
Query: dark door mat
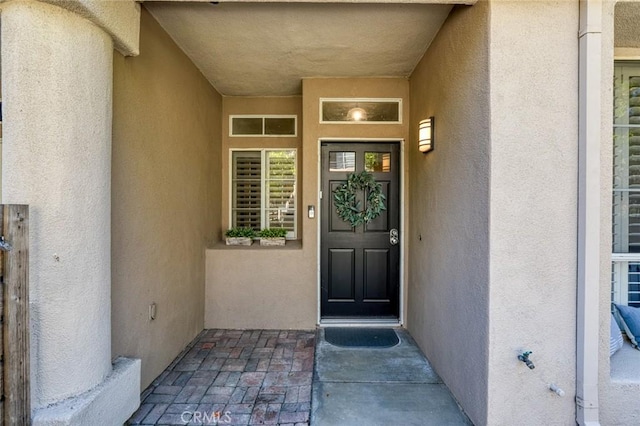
351	337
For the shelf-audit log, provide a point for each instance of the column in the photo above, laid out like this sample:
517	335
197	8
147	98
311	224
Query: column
57	89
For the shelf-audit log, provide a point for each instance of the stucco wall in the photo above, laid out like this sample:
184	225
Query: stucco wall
120	19
239	105
57	73
618	399
533	213
260	288
278	288
165	198
448	259
314	132
256	287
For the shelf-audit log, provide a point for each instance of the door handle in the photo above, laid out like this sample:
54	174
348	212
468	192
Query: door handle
393	237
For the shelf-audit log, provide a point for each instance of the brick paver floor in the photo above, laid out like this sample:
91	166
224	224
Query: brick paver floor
234	377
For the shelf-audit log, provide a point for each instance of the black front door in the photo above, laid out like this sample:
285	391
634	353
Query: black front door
360	266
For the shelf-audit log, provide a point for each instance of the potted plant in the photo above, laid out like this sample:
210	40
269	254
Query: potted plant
272	236
239	236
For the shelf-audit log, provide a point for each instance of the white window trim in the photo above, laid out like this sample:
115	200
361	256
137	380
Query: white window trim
291	235
398	100
620	282
620	260
620	276
263	116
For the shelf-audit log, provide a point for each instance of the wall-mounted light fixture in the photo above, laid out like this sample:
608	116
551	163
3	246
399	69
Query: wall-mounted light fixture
425	135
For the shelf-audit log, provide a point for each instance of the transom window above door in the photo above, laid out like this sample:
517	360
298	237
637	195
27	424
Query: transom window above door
361	110
263	189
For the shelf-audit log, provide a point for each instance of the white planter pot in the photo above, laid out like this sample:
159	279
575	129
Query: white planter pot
238	241
278	241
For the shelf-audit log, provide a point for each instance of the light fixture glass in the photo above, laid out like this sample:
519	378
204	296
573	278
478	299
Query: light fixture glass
357	114
425	135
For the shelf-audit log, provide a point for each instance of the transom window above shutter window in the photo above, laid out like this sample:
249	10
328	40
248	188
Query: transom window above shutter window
263	125
264	189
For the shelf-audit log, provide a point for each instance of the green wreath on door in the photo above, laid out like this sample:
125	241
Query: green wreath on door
347	204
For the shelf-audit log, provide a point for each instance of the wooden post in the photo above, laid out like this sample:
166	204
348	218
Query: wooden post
15	314
2	398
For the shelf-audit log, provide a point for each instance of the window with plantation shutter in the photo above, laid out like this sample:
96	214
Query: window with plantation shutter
247	189
625	287
280	183
263	189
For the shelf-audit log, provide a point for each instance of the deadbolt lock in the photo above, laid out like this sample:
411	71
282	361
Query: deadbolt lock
393	237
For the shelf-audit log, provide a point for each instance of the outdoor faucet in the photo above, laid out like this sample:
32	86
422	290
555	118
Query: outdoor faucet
524	357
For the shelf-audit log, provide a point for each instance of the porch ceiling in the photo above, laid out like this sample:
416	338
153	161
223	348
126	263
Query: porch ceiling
265	49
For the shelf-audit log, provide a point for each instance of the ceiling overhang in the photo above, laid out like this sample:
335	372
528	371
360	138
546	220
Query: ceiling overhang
267	48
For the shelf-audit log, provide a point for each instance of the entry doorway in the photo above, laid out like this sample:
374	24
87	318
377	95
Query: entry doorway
360	266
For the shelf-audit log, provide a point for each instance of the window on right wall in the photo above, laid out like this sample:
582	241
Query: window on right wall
625	288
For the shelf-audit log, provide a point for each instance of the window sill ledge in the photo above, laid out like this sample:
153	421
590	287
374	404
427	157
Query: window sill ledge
289	245
625	364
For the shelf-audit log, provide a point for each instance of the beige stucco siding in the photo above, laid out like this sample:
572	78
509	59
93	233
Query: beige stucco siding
120	19
260	287
618	399
238	105
278	288
613	404
448	270
56	158
533	213
313	89
165	196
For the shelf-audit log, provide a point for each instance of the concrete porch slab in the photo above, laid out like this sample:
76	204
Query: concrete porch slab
379	386
384	404
403	363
